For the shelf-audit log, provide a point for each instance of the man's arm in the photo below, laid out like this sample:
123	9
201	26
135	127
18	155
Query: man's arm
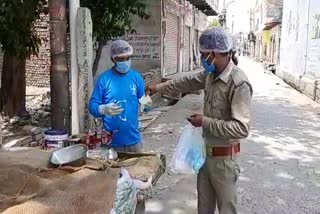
238	127
183	85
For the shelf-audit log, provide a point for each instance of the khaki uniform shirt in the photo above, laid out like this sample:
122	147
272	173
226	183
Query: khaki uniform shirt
227	100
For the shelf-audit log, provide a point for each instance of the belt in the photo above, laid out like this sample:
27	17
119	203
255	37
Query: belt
225	151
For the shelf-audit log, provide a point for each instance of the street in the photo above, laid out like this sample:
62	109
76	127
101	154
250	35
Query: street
77	72
280	161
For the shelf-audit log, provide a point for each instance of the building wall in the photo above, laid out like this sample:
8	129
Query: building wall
275	41
191	21
294	36
173	40
266	12
271	44
188	35
146	41
38	67
258	16
200	23
313	44
300	43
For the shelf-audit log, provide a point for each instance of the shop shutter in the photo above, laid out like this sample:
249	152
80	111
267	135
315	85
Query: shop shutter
196	51
171	45
186	61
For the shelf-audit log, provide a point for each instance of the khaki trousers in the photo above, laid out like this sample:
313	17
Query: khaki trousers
217	186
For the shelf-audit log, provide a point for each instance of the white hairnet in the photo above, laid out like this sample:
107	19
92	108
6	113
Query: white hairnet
121	48
216	40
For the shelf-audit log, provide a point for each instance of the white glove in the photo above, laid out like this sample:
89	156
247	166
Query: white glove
146	100
111	109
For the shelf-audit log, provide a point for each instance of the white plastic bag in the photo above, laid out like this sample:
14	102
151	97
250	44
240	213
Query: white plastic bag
126	195
190	153
145	103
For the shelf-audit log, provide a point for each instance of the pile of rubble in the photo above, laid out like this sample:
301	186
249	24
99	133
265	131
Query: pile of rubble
39	109
28	131
27	136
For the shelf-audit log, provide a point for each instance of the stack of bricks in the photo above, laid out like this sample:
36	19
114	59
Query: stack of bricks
38	68
153	77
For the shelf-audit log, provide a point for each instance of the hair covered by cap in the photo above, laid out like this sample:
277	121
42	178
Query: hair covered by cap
216	40
121	48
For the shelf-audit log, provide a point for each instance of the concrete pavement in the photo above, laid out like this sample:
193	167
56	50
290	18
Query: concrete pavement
280	161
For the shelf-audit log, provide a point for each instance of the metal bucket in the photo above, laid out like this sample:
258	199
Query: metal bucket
54	139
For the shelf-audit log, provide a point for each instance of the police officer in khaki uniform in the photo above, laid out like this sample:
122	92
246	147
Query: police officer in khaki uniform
225	120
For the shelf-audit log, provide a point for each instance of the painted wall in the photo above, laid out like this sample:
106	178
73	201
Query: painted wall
274	45
300	46
313	54
294	36
145	39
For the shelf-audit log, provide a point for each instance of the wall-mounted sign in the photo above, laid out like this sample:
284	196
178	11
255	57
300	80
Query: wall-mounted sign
145	47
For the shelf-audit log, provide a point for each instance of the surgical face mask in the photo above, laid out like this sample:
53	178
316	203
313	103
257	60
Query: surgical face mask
123	67
209	68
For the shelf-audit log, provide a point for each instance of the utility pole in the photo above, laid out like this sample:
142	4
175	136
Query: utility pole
232	24
59	75
73	9
223	13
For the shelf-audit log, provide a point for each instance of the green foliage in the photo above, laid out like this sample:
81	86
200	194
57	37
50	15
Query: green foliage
214	23
113	18
16	22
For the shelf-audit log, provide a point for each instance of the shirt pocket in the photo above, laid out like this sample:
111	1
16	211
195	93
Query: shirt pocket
219	105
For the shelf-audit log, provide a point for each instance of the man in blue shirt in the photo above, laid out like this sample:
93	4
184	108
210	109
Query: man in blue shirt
115	98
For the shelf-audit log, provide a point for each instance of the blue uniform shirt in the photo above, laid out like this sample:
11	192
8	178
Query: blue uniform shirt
113	87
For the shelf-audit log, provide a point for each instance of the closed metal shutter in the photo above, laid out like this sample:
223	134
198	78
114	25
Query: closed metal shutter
186	61
171	45
196	52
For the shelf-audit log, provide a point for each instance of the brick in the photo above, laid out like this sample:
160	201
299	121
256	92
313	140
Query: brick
32	130
34	144
38	68
37	137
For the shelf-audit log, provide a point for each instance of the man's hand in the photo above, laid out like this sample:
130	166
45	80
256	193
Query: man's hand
111	109
196	120
151	89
